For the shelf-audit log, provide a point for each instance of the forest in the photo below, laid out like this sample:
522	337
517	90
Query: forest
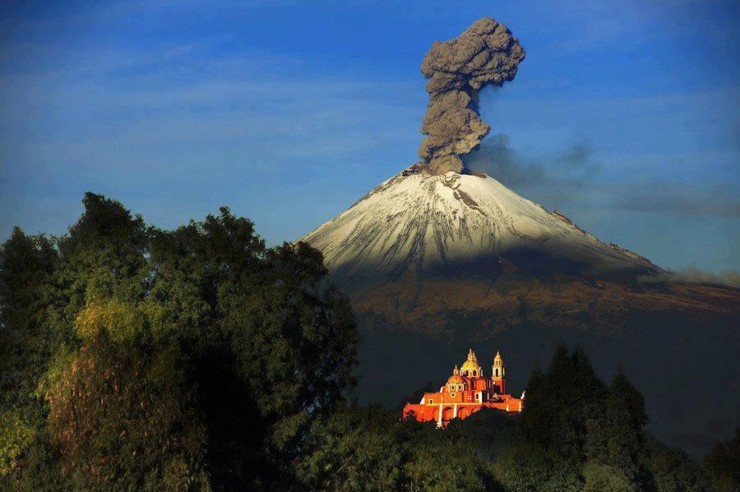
135	358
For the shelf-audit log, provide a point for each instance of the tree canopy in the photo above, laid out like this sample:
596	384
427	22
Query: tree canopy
189	359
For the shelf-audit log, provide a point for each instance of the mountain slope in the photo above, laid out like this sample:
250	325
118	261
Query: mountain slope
429	223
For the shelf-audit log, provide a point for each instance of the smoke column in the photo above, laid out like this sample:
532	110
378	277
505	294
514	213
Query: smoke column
485	54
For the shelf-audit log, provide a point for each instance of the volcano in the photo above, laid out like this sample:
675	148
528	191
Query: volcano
457	225
435	263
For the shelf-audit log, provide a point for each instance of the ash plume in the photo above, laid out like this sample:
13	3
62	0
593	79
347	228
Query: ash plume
693	275
485	54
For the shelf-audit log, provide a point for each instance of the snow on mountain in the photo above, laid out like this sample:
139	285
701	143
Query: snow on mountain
420	221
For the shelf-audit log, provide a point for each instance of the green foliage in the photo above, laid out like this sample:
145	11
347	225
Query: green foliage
488	432
272	345
616	438
186	359
672	470
445	460
604	478
27	296
114	320
722	464
26	268
577	432
561	402
103	257
532	467
15	438
371	449
355	449
120	412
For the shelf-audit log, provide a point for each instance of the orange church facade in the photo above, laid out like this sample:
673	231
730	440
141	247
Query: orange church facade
467	390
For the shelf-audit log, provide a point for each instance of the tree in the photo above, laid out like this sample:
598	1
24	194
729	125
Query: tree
530	466
103	256
604	478
592	434
120	411
354	449
26	343
415	396
371	449
272	345
672	470
722	464
560	408
625	419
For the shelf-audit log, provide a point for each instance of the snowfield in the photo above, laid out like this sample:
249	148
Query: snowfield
420	220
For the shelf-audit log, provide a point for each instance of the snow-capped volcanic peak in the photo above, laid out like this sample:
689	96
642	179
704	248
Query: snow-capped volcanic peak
423	220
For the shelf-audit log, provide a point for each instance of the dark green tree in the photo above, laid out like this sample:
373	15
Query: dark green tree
27	264
672	470
272	345
103	256
599	477
722	464
355	449
561	405
372	449
531	467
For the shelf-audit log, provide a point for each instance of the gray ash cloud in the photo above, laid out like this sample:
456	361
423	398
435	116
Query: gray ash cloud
485	54
554	179
693	275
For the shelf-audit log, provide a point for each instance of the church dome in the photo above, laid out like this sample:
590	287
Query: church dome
455	379
471	367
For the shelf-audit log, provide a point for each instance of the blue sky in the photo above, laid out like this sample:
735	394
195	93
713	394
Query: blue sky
624	116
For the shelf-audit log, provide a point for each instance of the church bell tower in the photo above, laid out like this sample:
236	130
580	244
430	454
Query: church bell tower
498	375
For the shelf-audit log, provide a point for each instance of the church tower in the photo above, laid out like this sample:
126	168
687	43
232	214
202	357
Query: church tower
498	374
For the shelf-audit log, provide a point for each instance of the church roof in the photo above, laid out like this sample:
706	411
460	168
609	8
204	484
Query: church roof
455	379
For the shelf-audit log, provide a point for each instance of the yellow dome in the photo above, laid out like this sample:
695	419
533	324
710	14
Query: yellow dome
470	365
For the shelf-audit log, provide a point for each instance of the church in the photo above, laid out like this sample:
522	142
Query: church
467	390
